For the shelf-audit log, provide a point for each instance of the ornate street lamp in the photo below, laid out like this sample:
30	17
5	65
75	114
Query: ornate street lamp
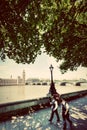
51	70
52	85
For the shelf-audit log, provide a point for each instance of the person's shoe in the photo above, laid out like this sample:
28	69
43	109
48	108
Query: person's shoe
58	123
50	121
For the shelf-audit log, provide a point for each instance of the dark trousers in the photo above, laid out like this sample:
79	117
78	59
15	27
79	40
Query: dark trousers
52	115
66	117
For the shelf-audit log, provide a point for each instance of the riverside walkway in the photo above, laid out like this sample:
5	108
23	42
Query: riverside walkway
38	120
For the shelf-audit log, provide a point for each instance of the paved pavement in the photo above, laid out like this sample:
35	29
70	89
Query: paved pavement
39	119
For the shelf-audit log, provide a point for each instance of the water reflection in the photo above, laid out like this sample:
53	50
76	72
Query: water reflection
11	93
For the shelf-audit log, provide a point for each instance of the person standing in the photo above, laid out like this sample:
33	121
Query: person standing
65	113
54	107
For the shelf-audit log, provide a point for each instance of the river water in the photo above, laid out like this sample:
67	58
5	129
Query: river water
18	93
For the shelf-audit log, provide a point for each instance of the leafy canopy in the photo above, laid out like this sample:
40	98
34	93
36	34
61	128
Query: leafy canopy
58	26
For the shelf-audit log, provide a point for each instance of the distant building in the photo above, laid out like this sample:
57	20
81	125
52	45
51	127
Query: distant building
21	81
23	77
12	82
8	82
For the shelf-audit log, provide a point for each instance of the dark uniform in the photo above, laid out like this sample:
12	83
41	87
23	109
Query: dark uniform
65	113
54	106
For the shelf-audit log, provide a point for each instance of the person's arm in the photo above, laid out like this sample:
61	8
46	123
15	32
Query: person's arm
51	103
67	108
56	105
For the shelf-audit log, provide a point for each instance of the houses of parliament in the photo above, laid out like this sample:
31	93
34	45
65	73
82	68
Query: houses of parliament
12	82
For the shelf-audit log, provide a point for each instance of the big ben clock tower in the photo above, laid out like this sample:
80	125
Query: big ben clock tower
23	77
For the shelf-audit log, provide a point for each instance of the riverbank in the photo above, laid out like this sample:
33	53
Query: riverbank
7	110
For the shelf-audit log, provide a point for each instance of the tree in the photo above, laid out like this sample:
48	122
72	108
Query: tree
60	27
67	39
18	30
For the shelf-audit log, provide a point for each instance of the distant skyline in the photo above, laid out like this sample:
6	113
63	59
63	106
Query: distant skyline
40	69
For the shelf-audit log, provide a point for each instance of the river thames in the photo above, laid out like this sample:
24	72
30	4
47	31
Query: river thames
18	93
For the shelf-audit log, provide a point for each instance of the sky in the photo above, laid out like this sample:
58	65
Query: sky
40	69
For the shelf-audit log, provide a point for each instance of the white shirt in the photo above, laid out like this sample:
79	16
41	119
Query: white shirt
56	105
64	103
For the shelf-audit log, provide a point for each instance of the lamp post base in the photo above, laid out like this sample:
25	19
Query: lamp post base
52	89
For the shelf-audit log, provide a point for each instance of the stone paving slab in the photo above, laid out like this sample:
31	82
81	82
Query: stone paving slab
39	119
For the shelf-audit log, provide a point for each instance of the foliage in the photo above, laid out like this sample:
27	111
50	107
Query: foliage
60	26
18	30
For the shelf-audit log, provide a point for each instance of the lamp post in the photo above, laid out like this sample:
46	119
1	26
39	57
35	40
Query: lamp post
52	86
51	70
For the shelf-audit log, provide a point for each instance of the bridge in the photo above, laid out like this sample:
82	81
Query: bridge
75	83
64	83
80	82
